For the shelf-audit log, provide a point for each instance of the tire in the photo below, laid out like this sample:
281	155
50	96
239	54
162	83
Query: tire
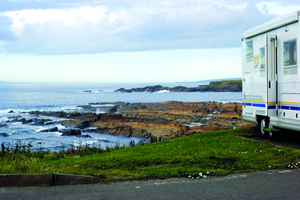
263	123
271	134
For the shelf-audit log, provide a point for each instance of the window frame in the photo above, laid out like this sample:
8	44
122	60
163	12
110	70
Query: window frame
295	58
249	58
290	69
262	70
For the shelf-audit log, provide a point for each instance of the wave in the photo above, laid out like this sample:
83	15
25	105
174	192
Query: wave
93	91
162	91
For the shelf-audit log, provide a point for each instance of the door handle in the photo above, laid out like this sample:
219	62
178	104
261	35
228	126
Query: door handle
269	84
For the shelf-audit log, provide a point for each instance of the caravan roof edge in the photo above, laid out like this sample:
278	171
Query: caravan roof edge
273	24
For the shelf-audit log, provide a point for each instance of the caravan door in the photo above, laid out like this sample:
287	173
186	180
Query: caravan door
271	100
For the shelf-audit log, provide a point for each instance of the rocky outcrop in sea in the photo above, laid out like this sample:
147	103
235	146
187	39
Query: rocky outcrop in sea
236	87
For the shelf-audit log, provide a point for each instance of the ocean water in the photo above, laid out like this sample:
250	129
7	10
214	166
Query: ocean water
22	98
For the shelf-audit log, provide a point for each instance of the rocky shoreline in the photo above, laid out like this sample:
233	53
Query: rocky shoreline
164	119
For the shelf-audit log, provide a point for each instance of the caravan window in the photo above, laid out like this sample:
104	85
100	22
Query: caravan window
249	51
290	53
262	62
290	57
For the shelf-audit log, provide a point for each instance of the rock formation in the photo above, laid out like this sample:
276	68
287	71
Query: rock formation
165	119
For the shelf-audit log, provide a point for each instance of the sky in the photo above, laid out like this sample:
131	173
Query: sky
127	41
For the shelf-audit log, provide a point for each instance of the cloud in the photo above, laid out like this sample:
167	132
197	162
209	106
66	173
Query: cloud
130	25
278	7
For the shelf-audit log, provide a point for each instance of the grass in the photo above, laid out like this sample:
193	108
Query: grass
218	153
226	82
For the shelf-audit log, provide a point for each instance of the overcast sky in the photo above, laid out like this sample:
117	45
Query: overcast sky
127	40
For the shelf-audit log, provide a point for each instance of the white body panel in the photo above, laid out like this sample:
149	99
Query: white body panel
271	74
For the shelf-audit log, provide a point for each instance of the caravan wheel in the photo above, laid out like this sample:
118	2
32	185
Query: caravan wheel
271	134
262	125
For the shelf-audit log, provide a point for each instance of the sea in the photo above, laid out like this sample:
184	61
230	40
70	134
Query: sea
18	99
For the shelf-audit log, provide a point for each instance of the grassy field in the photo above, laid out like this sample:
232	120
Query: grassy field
218	153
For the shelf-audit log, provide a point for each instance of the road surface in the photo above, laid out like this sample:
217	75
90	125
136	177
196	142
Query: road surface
271	184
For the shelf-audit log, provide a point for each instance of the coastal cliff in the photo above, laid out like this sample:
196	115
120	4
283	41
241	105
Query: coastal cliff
214	86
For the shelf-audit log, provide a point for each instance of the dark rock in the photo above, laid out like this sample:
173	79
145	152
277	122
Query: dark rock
122	90
141	107
36	122
49	123
87	107
70	132
84	124
4	134
109	117
11	111
55	114
113	109
73	115
83	136
50	130
16	120
3	125
27	121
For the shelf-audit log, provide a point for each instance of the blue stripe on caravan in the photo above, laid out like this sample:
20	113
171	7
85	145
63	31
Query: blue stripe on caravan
289	107
259	105
273	106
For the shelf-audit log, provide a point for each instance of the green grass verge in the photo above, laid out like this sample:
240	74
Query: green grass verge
219	153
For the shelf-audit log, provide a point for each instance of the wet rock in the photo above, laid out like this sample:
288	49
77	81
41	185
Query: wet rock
3	125
73	115
84	124
4	134
70	132
87	107
113	109
27	121
11	111
16	120
83	136
50	130
36	122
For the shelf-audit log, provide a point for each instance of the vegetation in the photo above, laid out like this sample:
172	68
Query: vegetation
226	82
218	153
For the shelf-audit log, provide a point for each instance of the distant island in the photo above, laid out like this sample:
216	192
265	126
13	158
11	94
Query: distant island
214	86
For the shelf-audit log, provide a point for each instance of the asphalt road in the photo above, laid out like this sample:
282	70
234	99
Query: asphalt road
271	184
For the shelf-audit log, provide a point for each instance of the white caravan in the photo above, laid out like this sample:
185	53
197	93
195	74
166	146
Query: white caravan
271	75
